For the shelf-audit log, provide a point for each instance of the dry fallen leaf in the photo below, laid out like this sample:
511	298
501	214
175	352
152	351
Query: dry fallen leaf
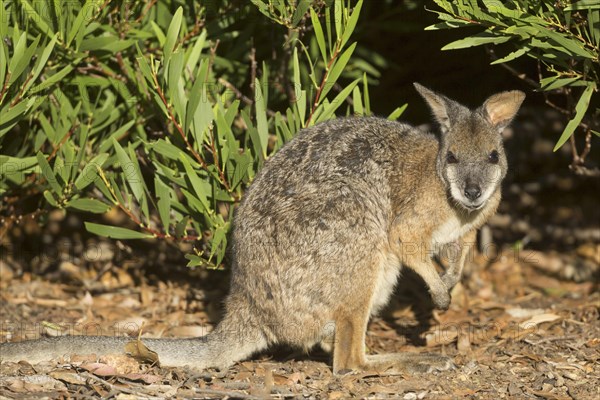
138	350
123	363
337	395
68	377
440	337
538	319
520	313
463	344
100	369
146	378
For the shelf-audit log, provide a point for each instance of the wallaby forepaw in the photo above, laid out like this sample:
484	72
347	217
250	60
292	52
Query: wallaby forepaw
441	300
450	280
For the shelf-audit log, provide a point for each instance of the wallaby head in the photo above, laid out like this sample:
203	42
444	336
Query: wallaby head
471	160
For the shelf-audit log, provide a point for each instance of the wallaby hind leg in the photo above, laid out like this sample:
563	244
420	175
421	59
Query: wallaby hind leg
408	362
349	343
349	352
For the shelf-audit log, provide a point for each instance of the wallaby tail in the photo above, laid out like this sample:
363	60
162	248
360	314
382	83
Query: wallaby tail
231	341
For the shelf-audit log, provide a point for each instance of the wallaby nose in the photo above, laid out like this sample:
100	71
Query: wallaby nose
472	192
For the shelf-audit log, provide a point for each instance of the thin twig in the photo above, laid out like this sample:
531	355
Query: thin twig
211	59
21	91
323	82
253	66
62	141
215	154
588	145
5	86
145	11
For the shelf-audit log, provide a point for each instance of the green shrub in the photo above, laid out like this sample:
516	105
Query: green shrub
563	37
164	109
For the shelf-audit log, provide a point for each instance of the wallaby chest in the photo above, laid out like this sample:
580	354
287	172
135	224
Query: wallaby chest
450	230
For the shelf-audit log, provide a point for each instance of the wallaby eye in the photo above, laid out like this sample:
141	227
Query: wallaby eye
451	158
493	157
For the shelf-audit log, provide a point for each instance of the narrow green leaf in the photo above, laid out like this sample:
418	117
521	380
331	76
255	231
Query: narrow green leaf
296	68
318	34
160	35
265	83
582	5
476	40
554	82
115	232
22	57
89	205
117	135
57	77
78	25
351	23
218	244
330	109
511	56
328	26
195	53
175	89
357	101
130	171
338	16
201	187
580	109
173	34
252	132
301	8
203	116
164	202
337	69
144	66
37	19
301	107
111	44
3	58
261	117
180	227
48	174
225	140
90	171
575	47
50	199
13	167
397	112
9	116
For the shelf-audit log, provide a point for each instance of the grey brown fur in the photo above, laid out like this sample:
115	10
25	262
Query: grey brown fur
326	227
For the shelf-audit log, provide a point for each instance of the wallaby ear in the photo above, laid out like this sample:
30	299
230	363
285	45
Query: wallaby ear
438	104
501	108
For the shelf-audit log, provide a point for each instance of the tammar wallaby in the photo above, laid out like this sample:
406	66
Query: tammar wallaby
323	232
